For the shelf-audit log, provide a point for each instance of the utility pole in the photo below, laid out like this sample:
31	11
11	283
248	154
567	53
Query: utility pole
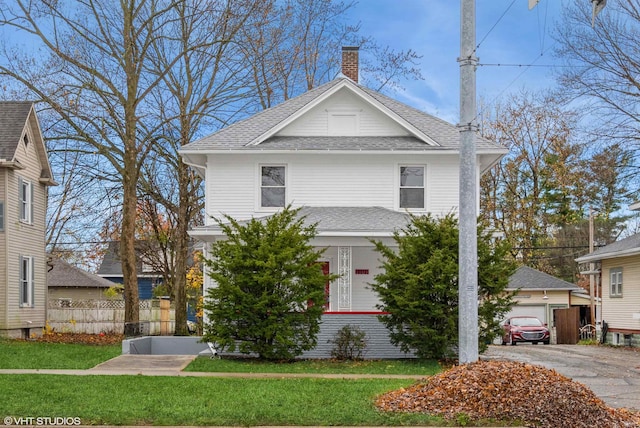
468	233
468	329
592	270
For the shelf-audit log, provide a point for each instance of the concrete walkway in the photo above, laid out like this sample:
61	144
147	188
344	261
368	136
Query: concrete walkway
172	365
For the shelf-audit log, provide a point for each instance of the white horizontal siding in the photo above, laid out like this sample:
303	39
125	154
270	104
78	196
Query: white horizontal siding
442	192
230	187
331	179
334	180
370	121
618	311
364	298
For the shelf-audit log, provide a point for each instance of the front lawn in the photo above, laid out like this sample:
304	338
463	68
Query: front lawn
20	354
380	367
137	400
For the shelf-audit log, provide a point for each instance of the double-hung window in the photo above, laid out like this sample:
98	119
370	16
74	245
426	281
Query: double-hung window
272	186
412	190
615	282
26	281
25	192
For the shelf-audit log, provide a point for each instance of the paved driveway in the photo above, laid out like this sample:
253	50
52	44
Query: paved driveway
613	374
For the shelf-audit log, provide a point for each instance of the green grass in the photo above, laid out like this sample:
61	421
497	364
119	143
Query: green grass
135	400
16	354
249	365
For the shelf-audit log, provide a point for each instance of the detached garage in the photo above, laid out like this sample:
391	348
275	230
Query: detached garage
539	294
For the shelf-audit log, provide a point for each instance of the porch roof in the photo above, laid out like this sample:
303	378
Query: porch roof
337	221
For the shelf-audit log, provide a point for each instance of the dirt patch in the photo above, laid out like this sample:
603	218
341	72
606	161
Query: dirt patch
508	391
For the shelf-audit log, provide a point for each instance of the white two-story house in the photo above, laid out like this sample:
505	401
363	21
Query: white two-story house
357	162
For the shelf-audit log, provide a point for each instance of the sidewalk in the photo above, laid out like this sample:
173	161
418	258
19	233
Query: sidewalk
172	365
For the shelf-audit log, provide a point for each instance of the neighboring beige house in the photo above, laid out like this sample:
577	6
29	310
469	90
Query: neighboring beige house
620	270
539	294
24	176
68	283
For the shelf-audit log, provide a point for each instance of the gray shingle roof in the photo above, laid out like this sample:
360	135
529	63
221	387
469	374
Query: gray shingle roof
13	117
344	143
342	219
532	279
238	135
440	131
624	247
355	219
65	275
111	263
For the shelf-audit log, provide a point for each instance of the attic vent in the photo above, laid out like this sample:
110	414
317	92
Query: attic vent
25	139
343	122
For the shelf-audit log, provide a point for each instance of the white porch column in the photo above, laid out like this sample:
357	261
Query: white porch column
344	282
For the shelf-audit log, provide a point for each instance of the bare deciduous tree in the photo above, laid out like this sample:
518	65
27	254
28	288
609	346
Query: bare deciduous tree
601	65
91	69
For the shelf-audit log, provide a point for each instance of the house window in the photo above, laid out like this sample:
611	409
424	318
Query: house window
1	216
25	190
26	281
25	139
272	186
615	282
412	187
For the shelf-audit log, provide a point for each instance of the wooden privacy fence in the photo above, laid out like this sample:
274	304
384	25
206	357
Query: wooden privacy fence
567	325
107	316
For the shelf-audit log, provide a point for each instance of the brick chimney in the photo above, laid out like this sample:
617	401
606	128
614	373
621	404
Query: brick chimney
350	62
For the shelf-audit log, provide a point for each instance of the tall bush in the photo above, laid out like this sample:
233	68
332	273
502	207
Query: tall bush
269	291
419	286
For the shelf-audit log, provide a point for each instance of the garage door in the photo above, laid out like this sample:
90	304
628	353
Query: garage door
538	311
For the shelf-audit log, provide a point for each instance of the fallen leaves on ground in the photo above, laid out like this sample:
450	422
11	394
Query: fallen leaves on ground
84	338
505	390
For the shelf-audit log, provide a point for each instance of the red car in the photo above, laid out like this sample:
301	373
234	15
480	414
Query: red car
524	329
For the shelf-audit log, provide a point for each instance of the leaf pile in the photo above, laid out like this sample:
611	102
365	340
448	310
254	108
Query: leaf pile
508	391
83	338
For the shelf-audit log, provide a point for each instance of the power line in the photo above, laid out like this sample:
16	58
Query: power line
524	65
494	26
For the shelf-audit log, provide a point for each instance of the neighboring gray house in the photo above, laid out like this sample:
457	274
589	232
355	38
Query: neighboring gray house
358	162
69	283
25	175
539	294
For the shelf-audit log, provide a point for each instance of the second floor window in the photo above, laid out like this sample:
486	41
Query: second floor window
412	187
615	276
272	186
25	189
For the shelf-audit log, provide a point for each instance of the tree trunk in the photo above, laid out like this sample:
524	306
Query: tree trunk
182	250
130	175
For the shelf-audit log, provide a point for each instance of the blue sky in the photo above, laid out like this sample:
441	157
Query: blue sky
507	31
